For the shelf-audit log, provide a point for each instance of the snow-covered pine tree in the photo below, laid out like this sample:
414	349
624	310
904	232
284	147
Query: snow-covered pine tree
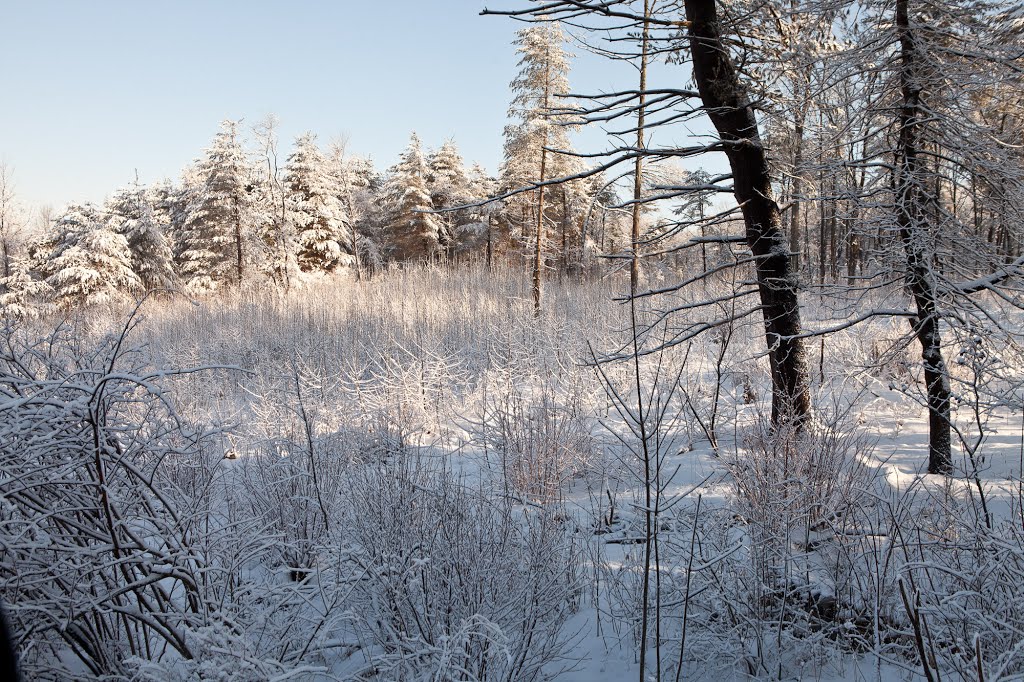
411	233
213	228
90	263
133	214
448	185
480	232
314	208
22	294
539	123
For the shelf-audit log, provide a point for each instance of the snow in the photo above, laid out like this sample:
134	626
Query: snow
468	464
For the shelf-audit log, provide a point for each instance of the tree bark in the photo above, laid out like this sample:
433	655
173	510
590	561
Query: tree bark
634	265
728	105
538	254
794	218
236	215
910	217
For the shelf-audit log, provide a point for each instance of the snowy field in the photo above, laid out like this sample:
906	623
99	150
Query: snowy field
413	478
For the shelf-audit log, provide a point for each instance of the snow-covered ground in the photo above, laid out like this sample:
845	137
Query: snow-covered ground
426	482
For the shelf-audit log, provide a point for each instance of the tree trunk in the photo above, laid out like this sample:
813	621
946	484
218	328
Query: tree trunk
634	265
236	215
794	217
729	108
538	254
833	228
910	216
490	244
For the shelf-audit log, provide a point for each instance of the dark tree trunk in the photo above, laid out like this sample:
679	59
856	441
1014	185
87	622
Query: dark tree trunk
490	244
910	216
729	107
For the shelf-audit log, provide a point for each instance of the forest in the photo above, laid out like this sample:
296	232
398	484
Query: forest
736	392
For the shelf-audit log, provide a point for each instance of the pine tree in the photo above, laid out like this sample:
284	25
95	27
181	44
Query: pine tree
133	214
449	186
412	234
90	263
213	231
537	126
314	208
22	294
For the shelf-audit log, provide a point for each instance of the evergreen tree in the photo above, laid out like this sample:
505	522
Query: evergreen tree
90	263
449	186
22	294
539	123
314	208
133	214
411	233
213	234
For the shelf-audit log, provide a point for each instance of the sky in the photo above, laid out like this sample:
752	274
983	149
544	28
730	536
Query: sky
96	91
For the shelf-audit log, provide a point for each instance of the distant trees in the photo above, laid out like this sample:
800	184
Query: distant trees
244	218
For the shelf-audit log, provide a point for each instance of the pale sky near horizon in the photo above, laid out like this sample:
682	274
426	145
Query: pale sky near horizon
93	91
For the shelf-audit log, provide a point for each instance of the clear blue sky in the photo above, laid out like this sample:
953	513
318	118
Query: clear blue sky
93	90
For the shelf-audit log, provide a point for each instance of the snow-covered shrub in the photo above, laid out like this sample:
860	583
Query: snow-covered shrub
536	442
100	558
455	585
772	577
961	580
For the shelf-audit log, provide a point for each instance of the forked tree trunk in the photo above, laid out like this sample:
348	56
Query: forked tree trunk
729	107
910	217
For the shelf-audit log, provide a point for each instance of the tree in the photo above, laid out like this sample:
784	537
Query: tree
213	234
314	208
90	263
132	213
539	125
449	186
937	133
732	112
275	234
413	232
11	220
725	99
